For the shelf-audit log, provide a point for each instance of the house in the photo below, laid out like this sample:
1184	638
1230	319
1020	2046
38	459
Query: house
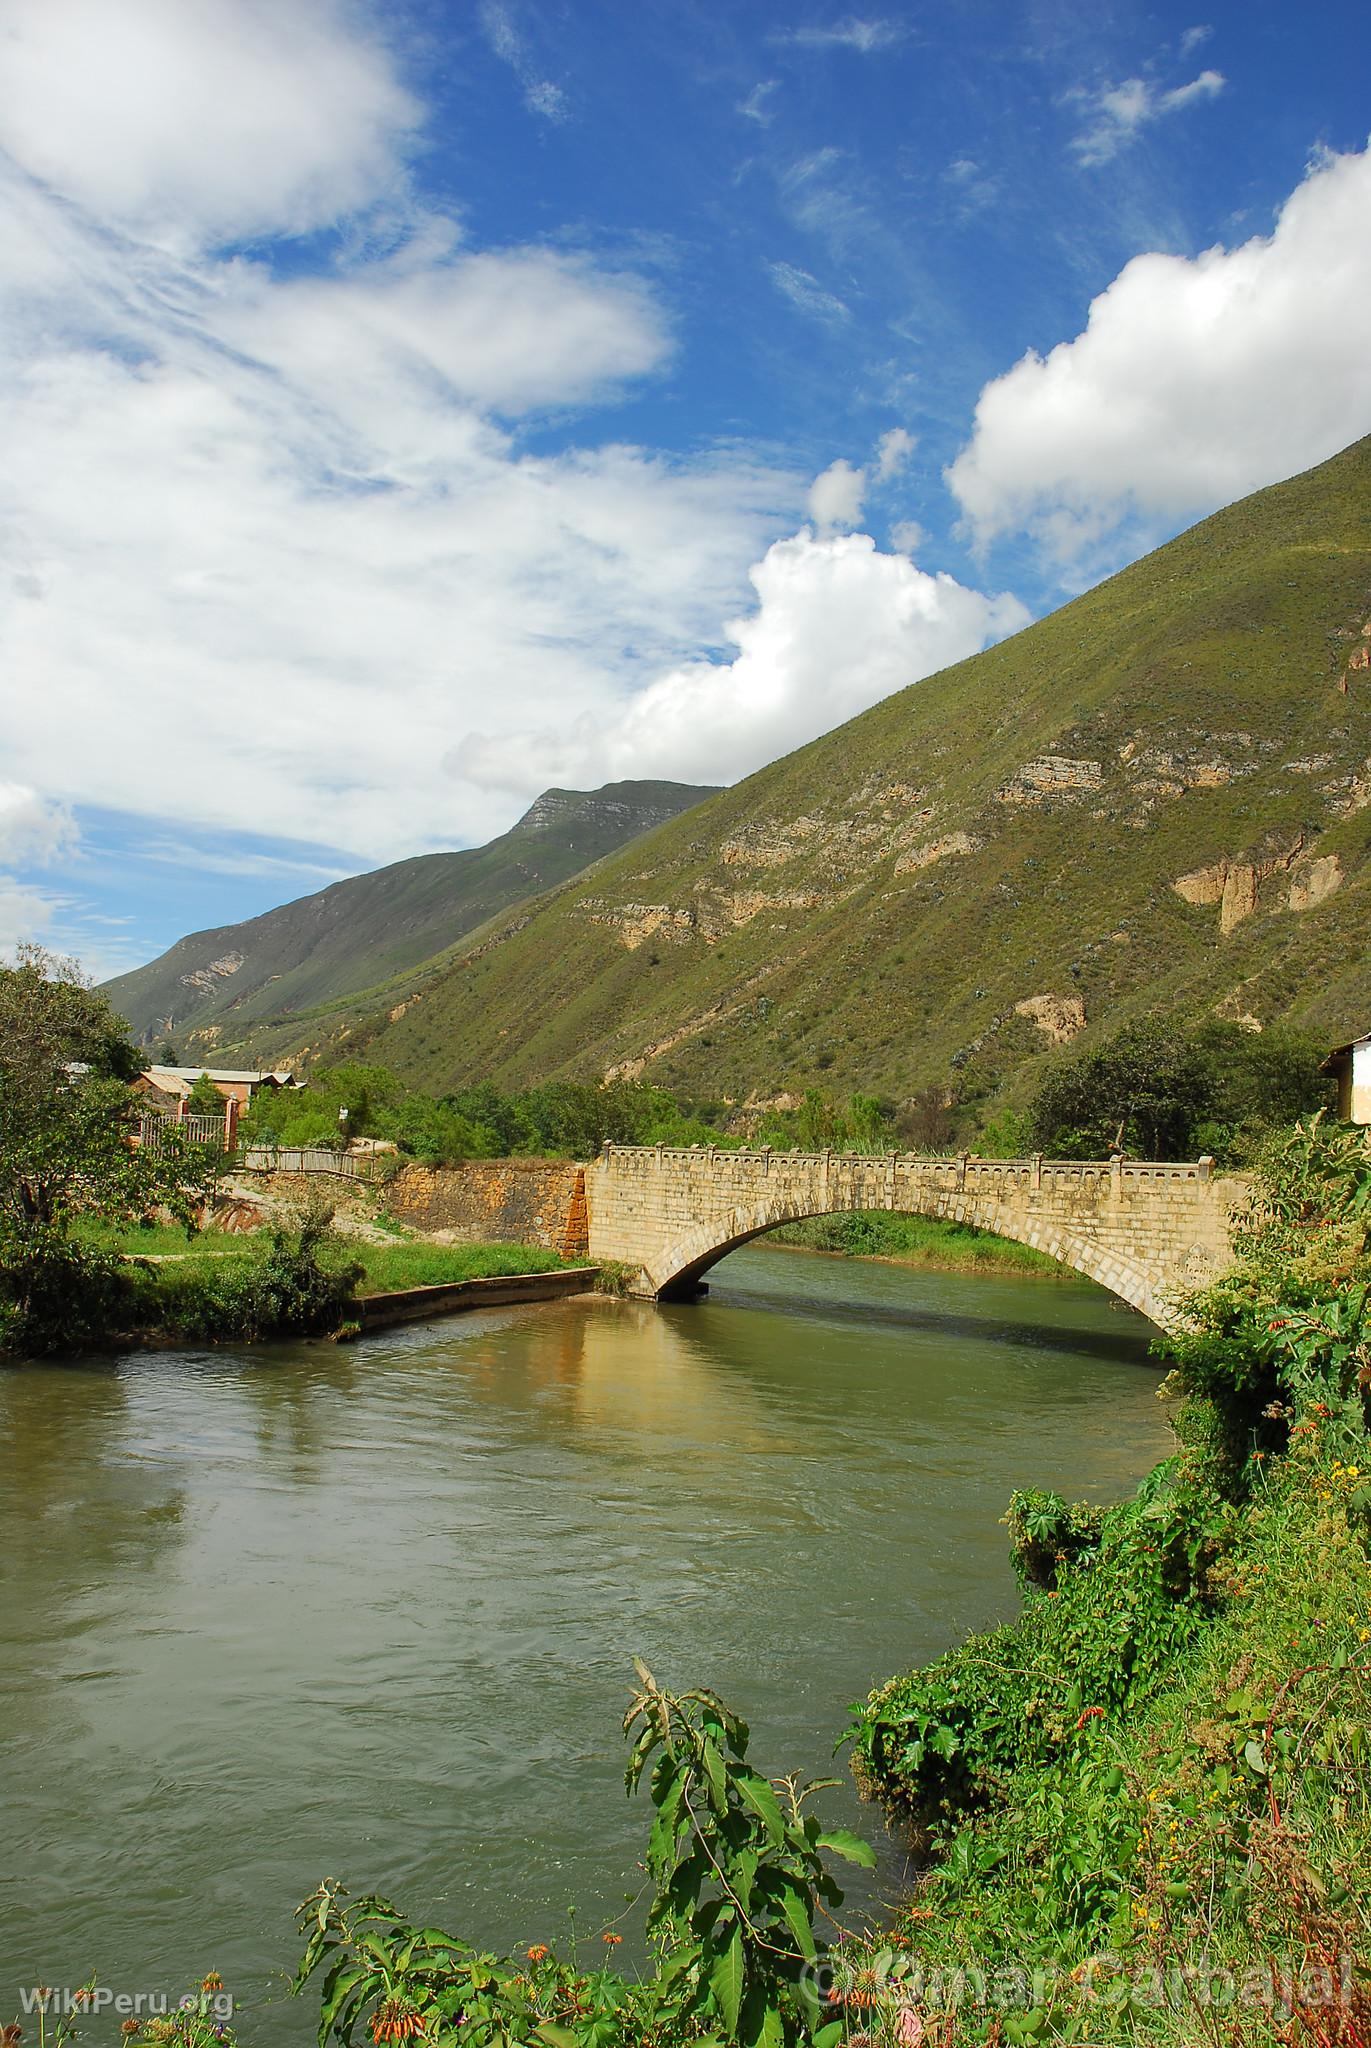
235	1084
1350	1066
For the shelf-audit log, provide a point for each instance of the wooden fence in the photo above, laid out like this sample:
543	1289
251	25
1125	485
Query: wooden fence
306	1159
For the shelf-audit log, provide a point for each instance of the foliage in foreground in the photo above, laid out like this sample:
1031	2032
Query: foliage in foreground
67	1123
1145	1806
739	1874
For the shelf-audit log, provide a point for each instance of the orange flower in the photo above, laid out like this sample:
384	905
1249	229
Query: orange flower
213	1982
396	2021
538	1953
130	2028
611	1940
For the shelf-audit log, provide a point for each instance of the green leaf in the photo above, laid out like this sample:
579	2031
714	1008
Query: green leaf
560	2037
713	1765
726	1982
755	1792
843	1842
828	2036
797	1919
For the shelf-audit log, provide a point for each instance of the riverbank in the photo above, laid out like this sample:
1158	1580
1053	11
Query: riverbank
1143	1808
116	1289
917	1241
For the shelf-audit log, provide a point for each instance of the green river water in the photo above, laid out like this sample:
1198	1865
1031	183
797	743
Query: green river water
369	1612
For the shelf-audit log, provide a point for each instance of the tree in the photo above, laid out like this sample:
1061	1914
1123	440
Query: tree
204	1098
68	1124
1164	1090
1147	1090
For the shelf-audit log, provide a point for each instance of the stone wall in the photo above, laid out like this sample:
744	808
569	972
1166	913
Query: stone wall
494	1201
1146	1231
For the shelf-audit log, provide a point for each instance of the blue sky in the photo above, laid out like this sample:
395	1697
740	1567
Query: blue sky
410	406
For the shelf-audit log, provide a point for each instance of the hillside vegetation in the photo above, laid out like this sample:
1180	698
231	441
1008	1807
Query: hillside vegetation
360	932
1156	799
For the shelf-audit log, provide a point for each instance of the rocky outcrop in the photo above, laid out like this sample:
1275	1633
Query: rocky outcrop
1236	884
206	978
1059	1018
935	850
1053	775
1315	881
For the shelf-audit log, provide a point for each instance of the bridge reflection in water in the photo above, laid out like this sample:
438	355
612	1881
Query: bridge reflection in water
1146	1230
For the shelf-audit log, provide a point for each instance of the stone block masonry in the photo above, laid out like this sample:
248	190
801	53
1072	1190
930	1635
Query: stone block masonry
1147	1231
496	1201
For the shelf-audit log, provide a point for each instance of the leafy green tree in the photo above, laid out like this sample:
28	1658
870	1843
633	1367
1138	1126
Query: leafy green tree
1146	1090
204	1098
1162	1090
68	1129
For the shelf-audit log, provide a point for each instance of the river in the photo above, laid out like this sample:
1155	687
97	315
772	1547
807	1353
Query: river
369	1611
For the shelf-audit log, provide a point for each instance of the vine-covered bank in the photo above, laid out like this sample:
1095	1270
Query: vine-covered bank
1145	1804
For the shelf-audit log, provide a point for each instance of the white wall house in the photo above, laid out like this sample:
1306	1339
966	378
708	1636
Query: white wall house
1350	1065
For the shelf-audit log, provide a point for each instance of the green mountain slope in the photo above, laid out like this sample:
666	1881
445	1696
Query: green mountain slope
1159	797
362	931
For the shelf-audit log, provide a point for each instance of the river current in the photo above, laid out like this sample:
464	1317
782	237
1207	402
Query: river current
370	1611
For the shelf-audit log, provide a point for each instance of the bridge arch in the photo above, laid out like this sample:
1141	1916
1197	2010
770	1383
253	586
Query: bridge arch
688	1260
1144	1230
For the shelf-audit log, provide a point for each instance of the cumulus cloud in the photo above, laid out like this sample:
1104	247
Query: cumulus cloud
1195	380
893	451
196	121
25	913
1118	113
273	528
837	626
34	831
836	495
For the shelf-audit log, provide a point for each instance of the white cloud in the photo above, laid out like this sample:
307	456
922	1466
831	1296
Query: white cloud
34	831
270	556
1193	38
196	121
852	34
893	451
1195	380
506	330
907	536
836	495
806	292
24	913
1119	112
837	626
541	96
756	107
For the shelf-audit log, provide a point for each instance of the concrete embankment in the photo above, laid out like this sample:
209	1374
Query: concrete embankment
420	1304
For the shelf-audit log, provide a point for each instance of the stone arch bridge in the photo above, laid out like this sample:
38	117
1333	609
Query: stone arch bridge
1146	1231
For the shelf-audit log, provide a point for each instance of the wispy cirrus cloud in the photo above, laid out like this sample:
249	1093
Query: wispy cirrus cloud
853	33
541	95
1117	114
807	293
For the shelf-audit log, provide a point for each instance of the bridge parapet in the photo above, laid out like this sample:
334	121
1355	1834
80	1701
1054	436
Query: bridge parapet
1147	1229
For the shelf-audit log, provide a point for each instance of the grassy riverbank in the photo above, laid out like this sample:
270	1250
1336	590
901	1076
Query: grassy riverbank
917	1241
123	1286
1145	1806
383	1267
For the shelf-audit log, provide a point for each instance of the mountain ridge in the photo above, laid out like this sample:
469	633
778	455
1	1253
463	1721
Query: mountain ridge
1158	797
344	940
